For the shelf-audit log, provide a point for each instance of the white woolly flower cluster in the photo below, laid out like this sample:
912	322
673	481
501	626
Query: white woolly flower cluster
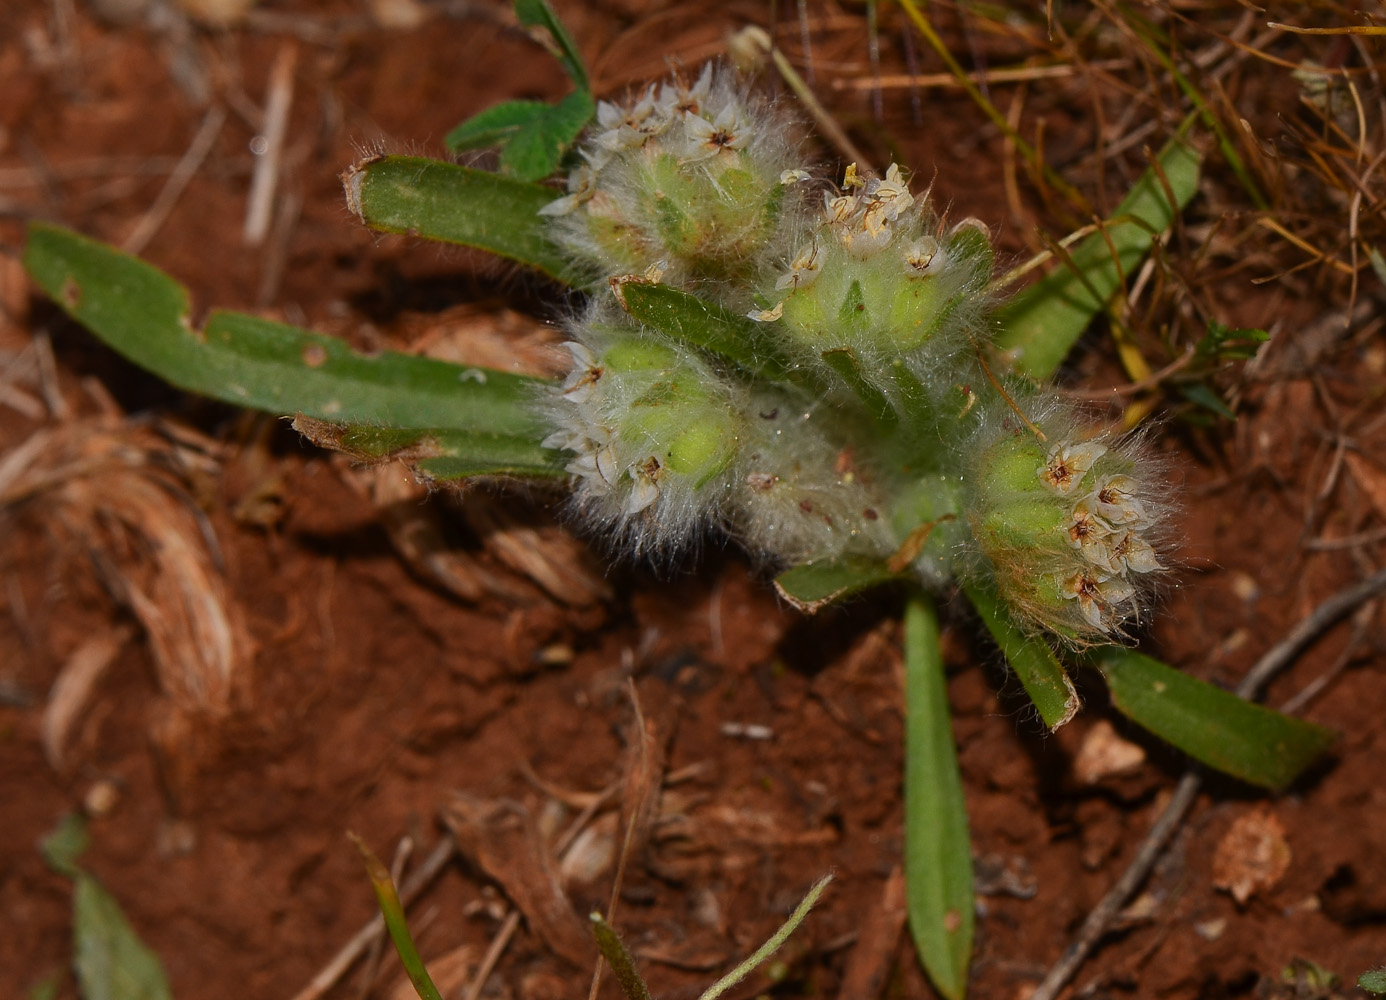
1106	527
686	175
807	375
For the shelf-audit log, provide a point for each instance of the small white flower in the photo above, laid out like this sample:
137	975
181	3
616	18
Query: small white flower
727	133
1091	535
803	271
1095	595
891	196
581	382
840	210
1115	499
767	315
924	257
645	486
628	129
865	241
795	176
582	185
675	99
1067	465
1131	551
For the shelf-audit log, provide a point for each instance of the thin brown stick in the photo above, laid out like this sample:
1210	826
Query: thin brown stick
183	173
1006	74
259	211
1276	659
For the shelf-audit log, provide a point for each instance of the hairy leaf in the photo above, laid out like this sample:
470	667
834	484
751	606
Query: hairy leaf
1044	677
815	585
456	204
698	323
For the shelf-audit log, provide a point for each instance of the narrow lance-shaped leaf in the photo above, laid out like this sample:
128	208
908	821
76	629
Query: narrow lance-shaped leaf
1235	736
1039	670
440	453
698	323
241	359
815	585
938	852
538	14
456	204
392	911
1041	324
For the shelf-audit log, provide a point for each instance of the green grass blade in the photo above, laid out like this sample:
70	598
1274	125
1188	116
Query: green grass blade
1040	325
1044	677
938	853
773	944
817	584
697	323
538	14
144	314
1238	737
455	204
393	913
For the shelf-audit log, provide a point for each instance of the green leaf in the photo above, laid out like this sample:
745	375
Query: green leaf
538	14
534	152
496	125
533	135
1044	677
441	453
1237	737
393	913
112	962
456	204
65	844
241	359
1224	343
938	853
814	585
1201	394
698	323
1040	325
1373	982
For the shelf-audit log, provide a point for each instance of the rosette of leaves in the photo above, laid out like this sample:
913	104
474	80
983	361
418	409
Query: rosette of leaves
810	365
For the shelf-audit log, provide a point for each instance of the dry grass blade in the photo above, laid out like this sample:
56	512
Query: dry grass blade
73	689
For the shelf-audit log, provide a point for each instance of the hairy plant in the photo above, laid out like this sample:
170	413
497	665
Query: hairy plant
818	367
